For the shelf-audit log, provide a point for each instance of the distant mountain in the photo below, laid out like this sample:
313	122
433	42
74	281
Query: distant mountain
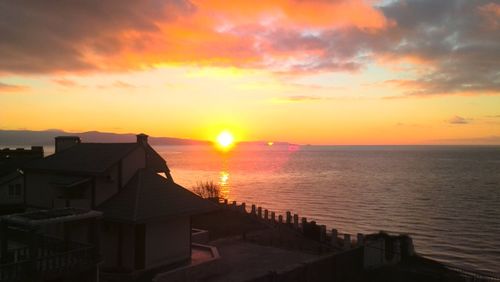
46	137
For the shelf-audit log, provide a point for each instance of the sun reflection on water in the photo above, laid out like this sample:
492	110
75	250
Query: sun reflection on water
224	183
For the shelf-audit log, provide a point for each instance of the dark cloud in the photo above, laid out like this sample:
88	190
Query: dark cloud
11	88
454	46
463	52
47	36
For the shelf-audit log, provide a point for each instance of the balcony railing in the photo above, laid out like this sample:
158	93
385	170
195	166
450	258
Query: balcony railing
53	257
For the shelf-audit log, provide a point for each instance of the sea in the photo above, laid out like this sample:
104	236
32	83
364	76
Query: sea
446	197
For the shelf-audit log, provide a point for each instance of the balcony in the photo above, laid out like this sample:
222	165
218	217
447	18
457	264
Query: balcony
30	252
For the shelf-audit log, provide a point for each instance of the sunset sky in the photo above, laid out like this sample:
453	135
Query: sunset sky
316	72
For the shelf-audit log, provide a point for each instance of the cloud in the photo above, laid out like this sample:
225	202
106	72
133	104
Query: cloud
65	82
452	46
491	15
459	54
121	84
458	120
486	140
75	36
299	99
11	88
115	35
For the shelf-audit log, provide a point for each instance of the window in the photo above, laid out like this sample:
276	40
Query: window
14	190
18	190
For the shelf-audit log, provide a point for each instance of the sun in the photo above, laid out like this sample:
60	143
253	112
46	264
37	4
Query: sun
225	140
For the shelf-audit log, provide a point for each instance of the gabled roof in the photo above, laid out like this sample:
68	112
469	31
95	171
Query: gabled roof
148	196
85	158
154	161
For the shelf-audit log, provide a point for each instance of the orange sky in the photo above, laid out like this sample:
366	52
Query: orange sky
316	72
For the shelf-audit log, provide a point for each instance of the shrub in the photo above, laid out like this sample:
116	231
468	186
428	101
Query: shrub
207	190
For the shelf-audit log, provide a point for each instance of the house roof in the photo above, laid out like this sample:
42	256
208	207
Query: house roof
12	160
91	158
154	161
148	196
9	177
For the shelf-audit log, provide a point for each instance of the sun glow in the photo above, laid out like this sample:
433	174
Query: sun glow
225	140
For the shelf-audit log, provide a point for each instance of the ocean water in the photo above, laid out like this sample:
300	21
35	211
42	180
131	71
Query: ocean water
447	198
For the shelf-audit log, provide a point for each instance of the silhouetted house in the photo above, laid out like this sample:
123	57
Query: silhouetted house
146	216
11	177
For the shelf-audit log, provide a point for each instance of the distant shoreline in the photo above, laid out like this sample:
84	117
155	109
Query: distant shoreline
27	138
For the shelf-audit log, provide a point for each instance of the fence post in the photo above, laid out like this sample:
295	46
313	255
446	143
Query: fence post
266	214
296	221
360	238
273	217
243	207
322	233
280	219
334	238
347	241
253	210
288	217
259	212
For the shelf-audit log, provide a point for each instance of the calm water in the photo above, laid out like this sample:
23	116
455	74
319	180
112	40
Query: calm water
447	198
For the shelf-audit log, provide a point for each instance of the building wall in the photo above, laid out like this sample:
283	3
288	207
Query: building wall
109	236
40	192
106	186
128	246
11	192
109	244
133	162
168	241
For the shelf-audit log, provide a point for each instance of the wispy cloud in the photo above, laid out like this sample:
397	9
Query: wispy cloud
11	88
486	140
121	84
458	120
65	82
118	84
299	99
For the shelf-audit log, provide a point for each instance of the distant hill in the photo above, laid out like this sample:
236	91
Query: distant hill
46	137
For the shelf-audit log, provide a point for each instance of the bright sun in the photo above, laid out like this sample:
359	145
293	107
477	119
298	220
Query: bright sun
225	140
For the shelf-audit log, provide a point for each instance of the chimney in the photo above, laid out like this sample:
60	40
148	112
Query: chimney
65	142
37	151
142	138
